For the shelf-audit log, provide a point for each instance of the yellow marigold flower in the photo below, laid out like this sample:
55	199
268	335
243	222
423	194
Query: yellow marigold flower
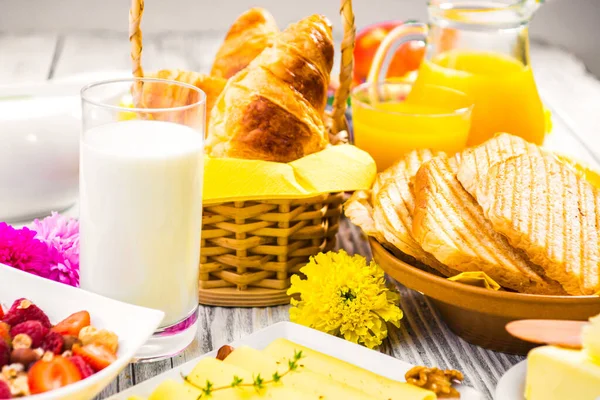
345	297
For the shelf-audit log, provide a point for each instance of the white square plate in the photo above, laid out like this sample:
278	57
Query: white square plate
371	360
133	324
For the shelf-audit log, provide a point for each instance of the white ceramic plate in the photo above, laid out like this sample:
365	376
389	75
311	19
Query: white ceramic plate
369	359
133	324
512	384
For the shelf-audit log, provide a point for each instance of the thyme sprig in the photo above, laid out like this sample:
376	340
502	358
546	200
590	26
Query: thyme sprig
258	382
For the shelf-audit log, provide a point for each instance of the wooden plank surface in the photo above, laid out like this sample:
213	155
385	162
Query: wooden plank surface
568	90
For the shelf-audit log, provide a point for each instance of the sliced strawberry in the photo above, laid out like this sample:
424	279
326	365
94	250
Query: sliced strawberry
5	332
96	355
53	374
73	323
1	312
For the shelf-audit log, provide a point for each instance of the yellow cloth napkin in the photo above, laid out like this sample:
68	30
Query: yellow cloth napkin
335	169
476	278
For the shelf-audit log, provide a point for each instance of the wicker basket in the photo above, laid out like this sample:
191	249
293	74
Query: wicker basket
250	249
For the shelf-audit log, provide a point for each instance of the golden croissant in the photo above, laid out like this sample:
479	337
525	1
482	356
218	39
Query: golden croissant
273	109
154	96
249	35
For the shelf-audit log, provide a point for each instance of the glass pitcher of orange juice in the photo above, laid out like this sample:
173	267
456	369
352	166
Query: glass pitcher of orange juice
480	48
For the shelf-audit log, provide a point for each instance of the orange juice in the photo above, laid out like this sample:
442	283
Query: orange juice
502	89
433	117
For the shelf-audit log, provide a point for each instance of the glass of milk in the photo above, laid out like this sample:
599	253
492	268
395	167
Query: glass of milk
141	175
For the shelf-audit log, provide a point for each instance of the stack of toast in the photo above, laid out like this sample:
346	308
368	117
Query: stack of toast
519	213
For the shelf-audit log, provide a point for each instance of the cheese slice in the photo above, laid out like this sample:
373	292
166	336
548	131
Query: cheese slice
348	374
317	384
221	374
171	390
555	373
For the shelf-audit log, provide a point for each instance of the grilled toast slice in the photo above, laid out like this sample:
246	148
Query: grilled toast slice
393	206
359	211
551	213
477	161
409	162
449	224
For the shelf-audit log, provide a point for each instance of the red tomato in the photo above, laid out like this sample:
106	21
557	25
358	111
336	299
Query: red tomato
408	57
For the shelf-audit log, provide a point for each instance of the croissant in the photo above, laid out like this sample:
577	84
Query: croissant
153	95
273	110
249	35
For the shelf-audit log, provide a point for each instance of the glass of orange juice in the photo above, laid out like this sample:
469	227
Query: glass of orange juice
390	118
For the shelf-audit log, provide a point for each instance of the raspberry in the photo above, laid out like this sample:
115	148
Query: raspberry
34	329
24	310
4	390
53	342
84	368
4	354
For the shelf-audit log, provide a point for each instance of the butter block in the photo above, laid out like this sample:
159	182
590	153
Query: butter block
555	373
591	338
348	374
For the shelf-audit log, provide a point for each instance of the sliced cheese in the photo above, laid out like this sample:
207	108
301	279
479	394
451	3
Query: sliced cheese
171	390
221	374
348	374
314	383
554	373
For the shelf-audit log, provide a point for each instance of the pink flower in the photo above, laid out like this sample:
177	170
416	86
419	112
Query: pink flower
61	235
20	249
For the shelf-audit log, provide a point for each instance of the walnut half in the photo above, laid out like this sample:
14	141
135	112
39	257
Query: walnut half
434	379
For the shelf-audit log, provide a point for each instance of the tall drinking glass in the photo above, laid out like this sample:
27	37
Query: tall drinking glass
141	175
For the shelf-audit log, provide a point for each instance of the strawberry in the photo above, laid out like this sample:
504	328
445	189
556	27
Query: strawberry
1	311
46	375
24	310
96	355
4	354
5	332
84	368
4	390
53	342
73	323
34	329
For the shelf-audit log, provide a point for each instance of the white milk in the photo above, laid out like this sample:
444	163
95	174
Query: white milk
141	210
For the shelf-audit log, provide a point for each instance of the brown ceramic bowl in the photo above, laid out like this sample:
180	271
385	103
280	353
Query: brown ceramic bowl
479	315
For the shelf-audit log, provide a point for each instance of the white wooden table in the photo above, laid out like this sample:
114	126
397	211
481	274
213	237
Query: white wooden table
571	93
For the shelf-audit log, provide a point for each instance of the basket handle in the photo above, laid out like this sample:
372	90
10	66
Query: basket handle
340	100
135	38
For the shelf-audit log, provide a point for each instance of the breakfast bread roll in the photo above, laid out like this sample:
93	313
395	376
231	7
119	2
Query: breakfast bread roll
273	109
250	34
